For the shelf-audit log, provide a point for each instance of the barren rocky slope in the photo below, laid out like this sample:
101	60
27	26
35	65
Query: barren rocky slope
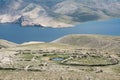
57	13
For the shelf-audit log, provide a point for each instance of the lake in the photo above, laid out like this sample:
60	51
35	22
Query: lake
18	34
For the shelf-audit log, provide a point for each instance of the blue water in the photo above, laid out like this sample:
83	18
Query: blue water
57	59
19	34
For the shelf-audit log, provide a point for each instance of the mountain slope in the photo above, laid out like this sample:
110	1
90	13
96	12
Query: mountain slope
107	43
57	13
6	44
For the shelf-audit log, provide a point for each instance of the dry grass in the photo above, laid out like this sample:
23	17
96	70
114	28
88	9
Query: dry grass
56	75
55	71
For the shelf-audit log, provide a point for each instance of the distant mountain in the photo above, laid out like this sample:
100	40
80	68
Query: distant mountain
57	13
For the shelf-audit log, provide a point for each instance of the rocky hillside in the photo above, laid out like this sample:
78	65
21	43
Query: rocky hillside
107	43
57	13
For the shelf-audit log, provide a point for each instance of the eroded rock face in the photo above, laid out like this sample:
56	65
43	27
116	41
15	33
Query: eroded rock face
59	13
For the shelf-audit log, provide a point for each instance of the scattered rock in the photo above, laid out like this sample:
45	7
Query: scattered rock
27	67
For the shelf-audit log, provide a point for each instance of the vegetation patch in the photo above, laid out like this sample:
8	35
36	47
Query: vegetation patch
116	69
27	56
90	61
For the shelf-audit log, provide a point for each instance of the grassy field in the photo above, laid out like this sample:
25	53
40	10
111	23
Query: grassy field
56	75
90	61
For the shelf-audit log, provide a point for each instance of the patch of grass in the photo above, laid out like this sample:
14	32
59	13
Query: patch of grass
38	57
89	61
64	56
27	56
116	68
30	56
